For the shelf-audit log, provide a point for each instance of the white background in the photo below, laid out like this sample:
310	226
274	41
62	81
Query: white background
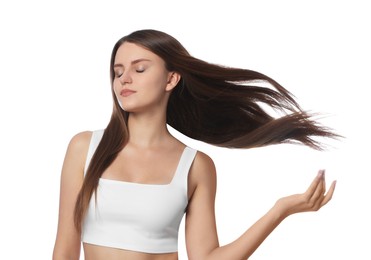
54	65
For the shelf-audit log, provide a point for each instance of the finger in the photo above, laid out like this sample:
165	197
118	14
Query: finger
324	182
329	194
313	187
321	188
318	196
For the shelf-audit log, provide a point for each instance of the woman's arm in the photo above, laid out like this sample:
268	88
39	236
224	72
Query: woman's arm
67	244
201	235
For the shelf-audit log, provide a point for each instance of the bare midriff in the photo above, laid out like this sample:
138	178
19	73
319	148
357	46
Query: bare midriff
94	252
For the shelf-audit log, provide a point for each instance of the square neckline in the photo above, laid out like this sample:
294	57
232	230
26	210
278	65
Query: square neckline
176	173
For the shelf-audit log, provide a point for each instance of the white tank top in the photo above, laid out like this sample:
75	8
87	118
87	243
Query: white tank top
137	217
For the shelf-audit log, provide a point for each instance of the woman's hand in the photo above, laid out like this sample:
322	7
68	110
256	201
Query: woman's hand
312	200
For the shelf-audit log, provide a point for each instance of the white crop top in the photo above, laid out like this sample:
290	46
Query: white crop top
134	216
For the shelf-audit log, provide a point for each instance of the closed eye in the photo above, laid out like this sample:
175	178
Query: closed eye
118	73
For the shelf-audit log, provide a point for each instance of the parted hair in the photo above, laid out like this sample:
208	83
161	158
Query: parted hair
219	105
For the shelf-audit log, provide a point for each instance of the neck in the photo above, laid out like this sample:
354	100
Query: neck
147	130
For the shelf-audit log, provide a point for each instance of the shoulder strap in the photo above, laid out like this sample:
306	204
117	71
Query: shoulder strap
186	160
94	142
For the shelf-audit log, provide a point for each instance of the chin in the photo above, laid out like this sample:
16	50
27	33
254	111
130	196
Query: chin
126	108
129	109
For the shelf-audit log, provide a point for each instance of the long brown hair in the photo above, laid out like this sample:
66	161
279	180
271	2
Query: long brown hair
215	104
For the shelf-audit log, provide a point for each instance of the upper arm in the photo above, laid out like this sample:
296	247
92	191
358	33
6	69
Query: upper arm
72	176
200	225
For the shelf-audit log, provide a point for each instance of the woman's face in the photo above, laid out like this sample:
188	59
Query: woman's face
141	82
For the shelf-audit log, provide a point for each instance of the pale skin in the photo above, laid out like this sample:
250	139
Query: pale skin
150	150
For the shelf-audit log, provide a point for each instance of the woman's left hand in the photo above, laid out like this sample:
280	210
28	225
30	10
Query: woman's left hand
312	200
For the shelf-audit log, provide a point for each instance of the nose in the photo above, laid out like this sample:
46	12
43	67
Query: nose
125	78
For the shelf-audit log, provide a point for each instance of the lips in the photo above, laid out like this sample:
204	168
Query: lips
127	92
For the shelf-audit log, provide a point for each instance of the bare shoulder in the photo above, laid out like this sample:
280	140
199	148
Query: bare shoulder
80	141
203	170
203	162
76	153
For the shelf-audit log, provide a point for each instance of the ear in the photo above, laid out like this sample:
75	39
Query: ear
172	81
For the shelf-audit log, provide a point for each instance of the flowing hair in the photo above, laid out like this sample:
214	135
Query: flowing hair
218	105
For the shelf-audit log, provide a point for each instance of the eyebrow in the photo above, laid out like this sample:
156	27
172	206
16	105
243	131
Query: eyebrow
132	63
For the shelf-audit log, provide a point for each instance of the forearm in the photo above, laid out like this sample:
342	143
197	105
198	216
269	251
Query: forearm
247	243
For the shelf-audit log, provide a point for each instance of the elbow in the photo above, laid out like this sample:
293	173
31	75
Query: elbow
66	250
63	255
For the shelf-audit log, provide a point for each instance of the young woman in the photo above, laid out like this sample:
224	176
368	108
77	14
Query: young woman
125	189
